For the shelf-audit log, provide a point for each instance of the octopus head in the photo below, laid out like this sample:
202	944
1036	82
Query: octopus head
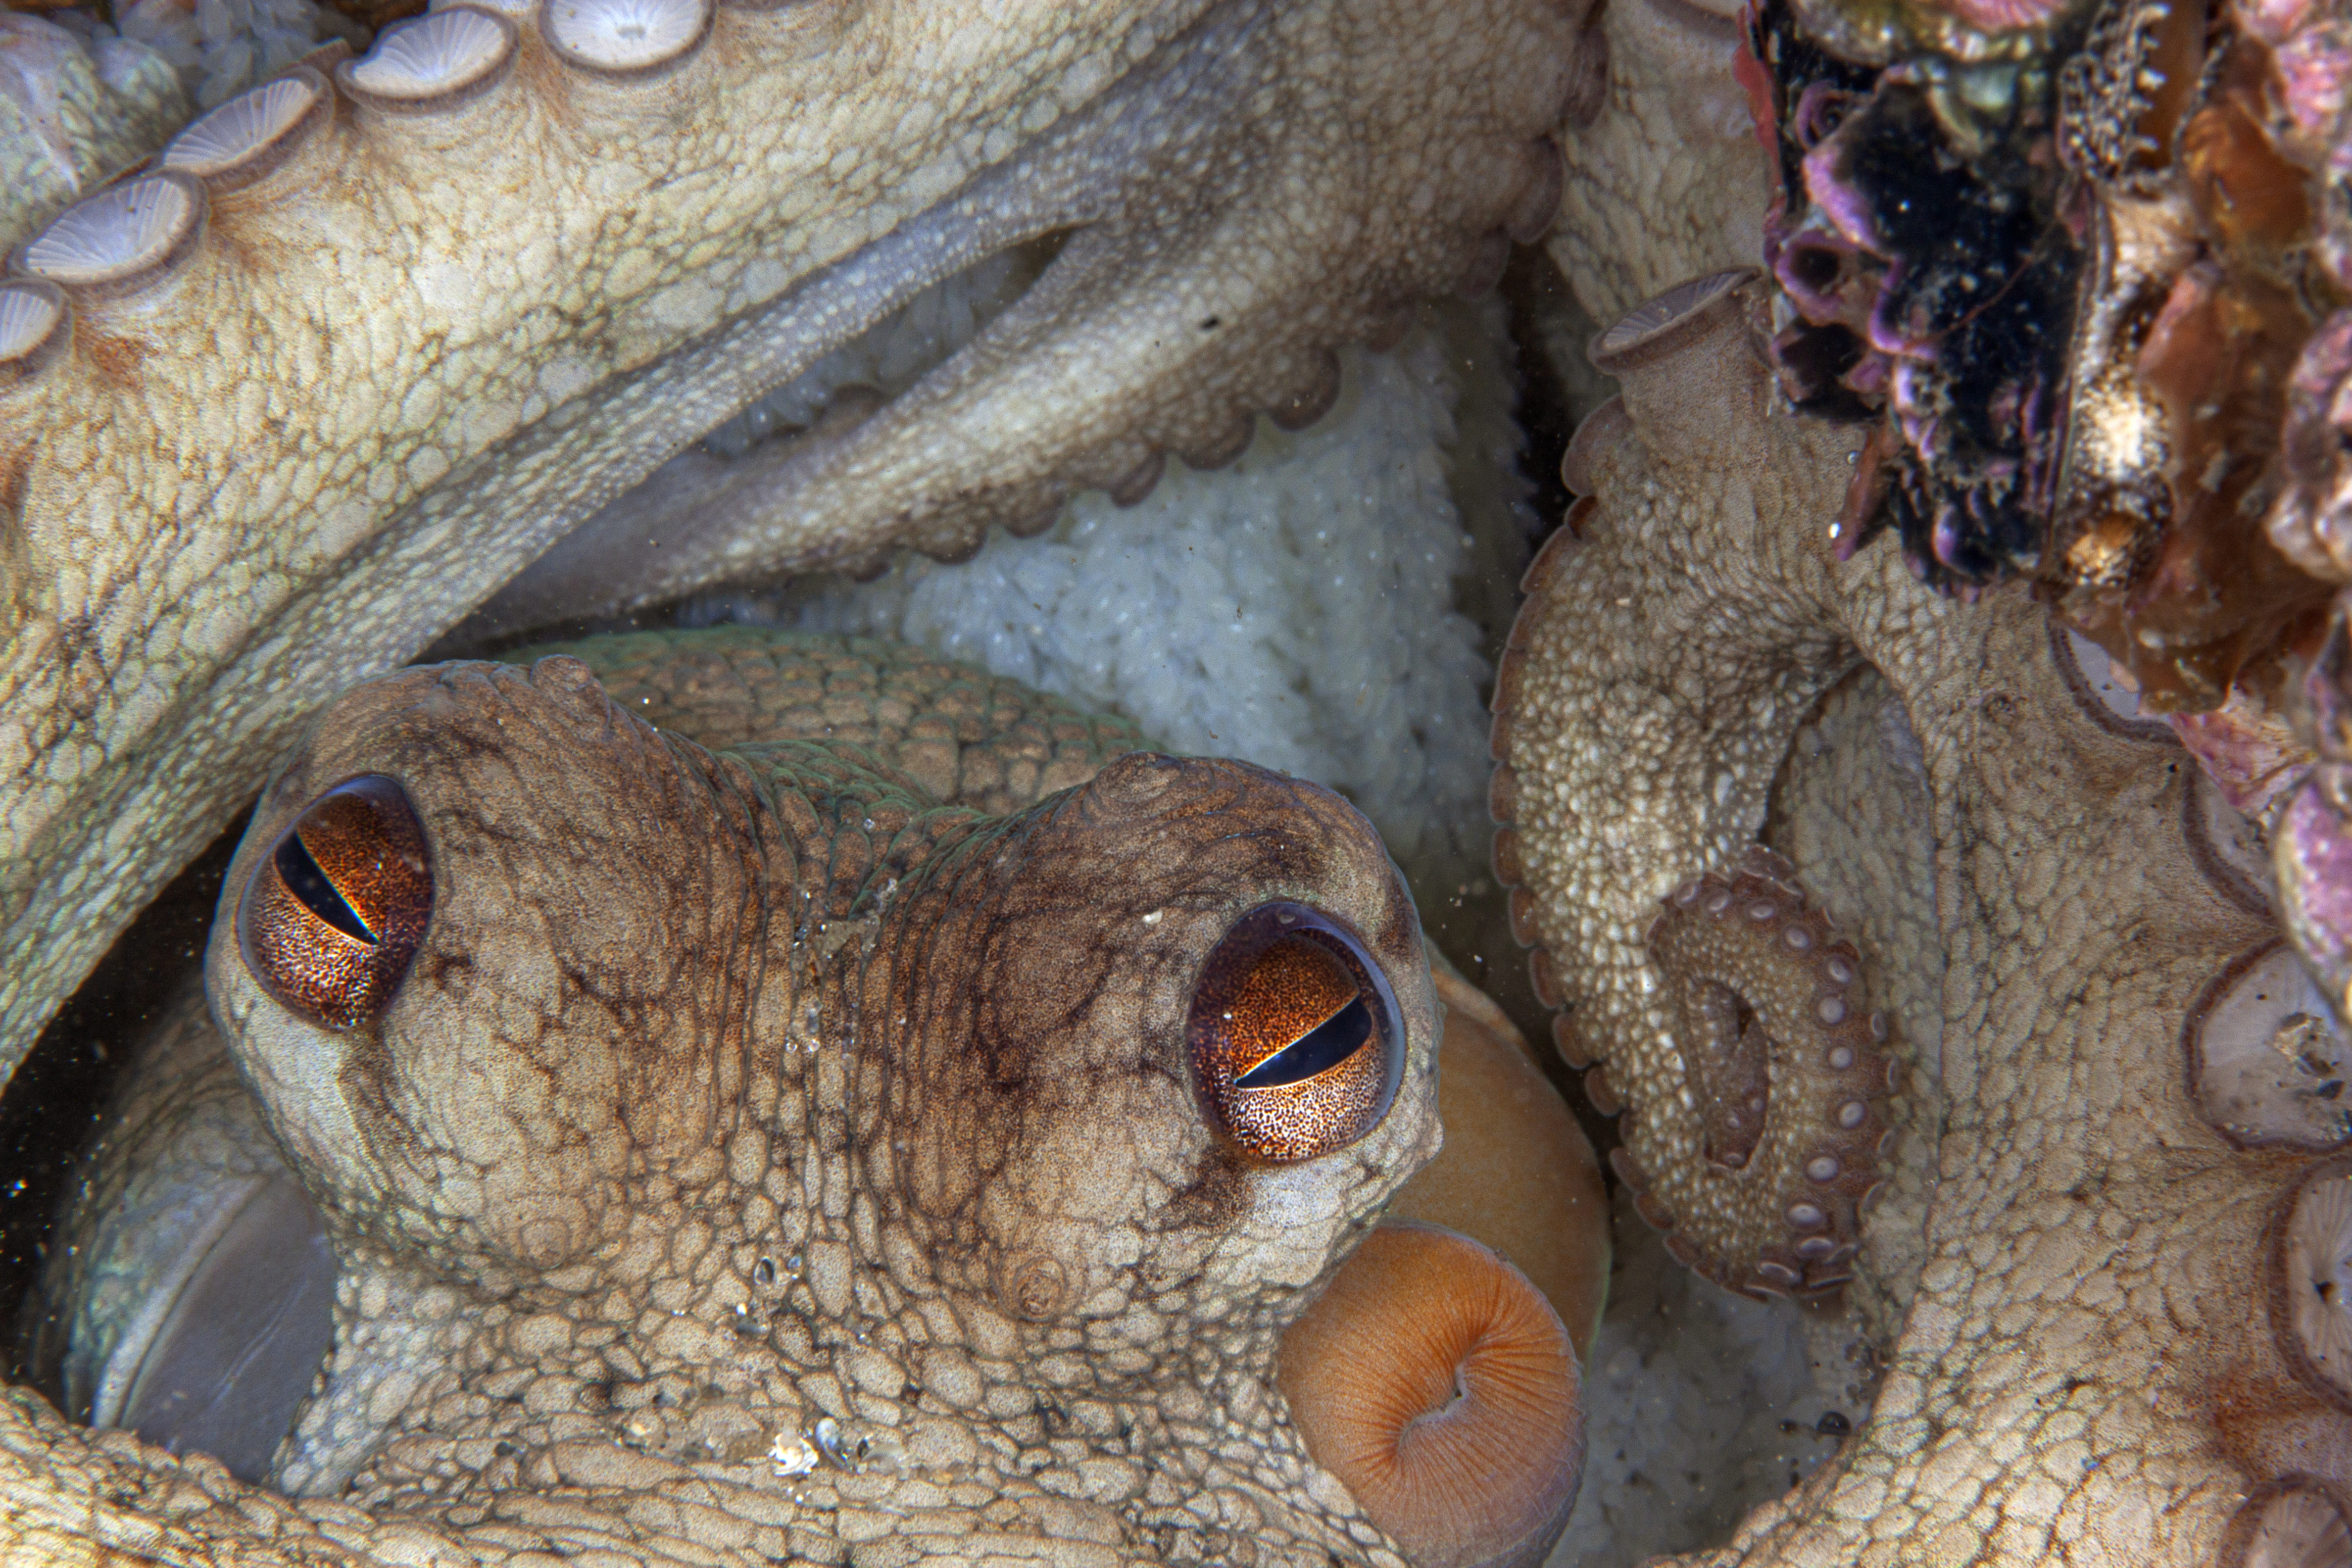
578	1020
519	978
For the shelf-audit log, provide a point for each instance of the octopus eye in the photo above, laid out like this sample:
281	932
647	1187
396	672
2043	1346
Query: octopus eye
1293	1031
332	916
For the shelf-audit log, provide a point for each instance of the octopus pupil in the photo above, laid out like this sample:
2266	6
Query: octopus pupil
307	882
1326	1045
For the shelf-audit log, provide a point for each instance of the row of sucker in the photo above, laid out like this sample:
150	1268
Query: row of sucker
1786	1077
729	503
131	237
2267	1069
2265	1062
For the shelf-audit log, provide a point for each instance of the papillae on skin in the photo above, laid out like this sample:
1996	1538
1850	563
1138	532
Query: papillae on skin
381	386
2071	1279
1667	179
731	1091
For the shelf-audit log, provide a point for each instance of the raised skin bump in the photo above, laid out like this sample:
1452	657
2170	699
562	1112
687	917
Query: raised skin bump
381	350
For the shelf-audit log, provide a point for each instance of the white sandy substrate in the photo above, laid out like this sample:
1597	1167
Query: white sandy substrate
1297	610
1699	1404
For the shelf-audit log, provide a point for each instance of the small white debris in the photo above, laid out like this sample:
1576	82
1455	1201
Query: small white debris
792	1454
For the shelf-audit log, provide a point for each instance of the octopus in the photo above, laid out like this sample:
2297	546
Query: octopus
1971	1022
366	342
791	1150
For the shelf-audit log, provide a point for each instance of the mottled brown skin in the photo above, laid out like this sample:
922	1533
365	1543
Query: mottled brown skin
2084	1368
734	1090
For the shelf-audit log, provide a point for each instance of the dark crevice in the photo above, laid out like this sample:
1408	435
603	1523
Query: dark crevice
53	1104
1548	417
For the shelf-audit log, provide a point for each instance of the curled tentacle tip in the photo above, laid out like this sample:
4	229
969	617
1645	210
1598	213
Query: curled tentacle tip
1775	1032
1440	1387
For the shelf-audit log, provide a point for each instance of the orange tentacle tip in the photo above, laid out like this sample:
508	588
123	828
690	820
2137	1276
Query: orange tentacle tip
1442	1389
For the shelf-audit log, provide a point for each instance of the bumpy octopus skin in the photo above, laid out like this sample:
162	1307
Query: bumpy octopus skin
1665	177
736	1097
362	390
2107	1355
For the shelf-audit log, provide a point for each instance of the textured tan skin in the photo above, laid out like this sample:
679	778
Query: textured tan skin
681	1012
1852	807
2086	1372
63	129
969	738
389	377
181	1118
1666	180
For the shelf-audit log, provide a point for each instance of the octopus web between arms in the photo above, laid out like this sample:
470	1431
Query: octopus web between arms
286	408
2113	1339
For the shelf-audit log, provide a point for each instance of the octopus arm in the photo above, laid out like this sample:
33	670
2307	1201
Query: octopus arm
350	396
1167	323
1641	715
2126	1337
